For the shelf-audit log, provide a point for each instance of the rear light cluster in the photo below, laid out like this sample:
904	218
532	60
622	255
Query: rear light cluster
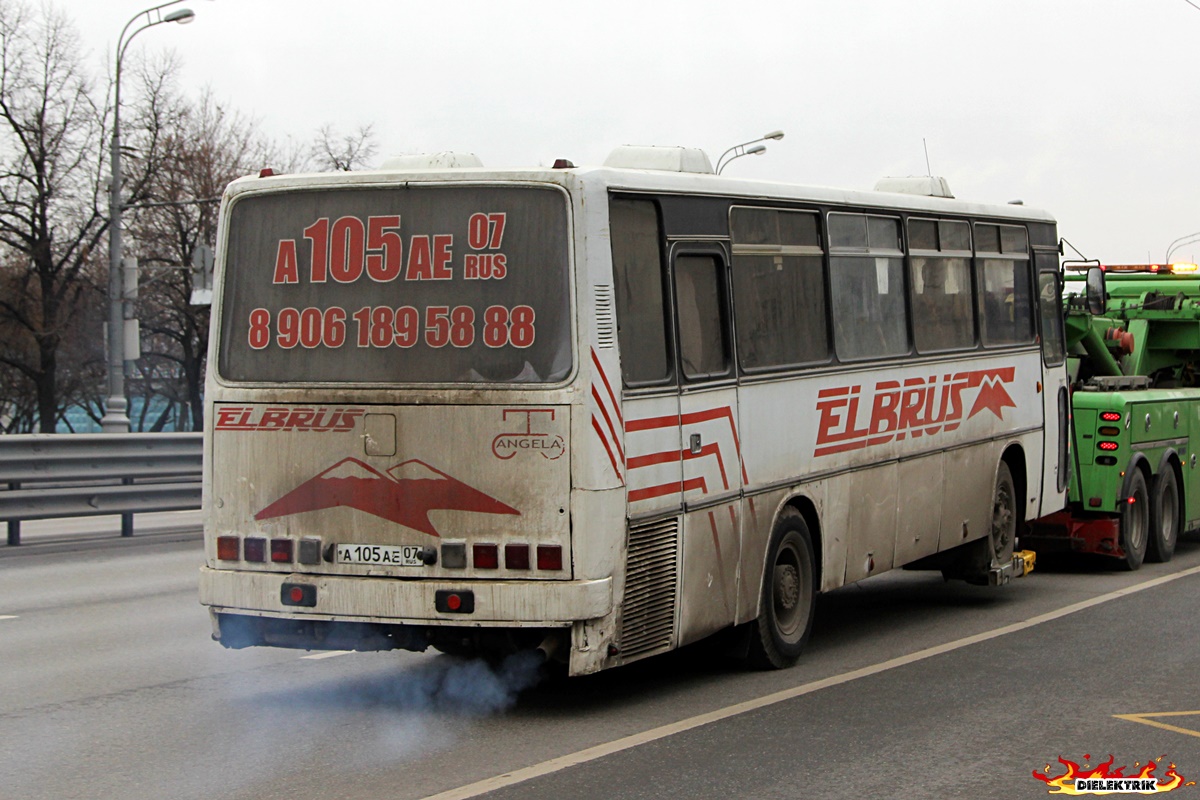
546	557
258	550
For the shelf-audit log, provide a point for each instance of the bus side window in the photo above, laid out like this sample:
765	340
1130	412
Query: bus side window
638	276
702	350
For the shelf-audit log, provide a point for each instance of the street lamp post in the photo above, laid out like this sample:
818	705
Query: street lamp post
116	417
751	148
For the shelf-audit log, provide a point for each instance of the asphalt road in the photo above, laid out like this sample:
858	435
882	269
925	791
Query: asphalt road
110	687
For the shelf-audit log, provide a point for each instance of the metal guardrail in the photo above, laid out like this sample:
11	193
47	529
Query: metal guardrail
83	475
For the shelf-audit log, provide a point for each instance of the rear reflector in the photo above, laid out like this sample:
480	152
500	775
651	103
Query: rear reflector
549	556
255	550
449	602
486	556
310	551
229	548
281	551
298	594
516	556
454	556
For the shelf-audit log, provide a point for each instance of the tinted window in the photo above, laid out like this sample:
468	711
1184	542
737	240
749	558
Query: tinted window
868	306
702	350
942	308
1006	307
397	285
779	310
1050	304
638	274
778	288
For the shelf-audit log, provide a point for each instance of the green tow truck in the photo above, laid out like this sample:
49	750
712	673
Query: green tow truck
1134	362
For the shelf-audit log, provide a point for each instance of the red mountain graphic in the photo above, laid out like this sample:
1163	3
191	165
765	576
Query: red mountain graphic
406	494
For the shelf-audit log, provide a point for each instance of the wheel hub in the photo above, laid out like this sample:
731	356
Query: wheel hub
787	586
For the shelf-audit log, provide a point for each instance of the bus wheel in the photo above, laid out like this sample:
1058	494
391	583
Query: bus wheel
788	596
1164	516
1003	536
1135	520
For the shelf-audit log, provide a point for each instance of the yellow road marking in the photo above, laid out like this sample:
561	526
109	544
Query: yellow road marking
1145	720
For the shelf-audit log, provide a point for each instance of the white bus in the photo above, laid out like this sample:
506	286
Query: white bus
610	411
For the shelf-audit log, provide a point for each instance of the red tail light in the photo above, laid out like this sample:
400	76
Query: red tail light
229	548
281	551
516	556
1107	446
1110	416
486	556
549	556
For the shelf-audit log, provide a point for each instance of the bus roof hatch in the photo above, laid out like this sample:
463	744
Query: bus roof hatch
669	159
923	185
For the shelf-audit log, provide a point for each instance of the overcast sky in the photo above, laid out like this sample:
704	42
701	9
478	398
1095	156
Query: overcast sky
1087	108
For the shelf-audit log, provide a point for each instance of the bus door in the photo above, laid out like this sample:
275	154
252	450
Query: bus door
1055	398
710	446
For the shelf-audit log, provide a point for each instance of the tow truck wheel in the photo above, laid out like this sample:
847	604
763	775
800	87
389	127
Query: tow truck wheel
1135	520
1003	535
788	595
1164	516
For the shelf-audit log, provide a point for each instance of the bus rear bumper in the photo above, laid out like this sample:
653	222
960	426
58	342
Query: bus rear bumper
379	600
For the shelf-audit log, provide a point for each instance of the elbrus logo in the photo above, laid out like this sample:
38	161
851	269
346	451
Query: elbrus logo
917	407
405	494
1103	779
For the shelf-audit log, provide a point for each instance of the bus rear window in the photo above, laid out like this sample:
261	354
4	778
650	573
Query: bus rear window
397	285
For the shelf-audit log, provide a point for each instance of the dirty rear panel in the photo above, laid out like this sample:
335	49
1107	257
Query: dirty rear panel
441	479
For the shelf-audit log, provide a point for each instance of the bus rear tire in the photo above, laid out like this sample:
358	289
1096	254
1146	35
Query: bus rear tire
1135	520
1005	518
1165	520
785	614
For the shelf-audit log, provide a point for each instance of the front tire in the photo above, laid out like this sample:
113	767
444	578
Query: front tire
1135	520
1165	520
785	614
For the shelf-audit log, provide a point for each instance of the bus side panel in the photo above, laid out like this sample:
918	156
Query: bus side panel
871	528
919	516
970	474
708	587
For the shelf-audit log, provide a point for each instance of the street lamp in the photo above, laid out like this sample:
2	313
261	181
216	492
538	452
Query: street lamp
753	147
116	417
1191	238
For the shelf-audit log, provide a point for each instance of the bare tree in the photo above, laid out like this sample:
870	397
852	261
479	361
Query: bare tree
50	213
205	146
332	151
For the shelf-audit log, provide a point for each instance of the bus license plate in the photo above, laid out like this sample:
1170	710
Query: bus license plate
406	555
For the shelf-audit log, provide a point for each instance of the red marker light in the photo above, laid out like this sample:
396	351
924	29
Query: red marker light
1107	446
549	556
1110	416
297	594
516	556
454	602
281	551
229	548
486	556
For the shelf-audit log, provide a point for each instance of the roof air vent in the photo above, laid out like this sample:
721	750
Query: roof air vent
668	159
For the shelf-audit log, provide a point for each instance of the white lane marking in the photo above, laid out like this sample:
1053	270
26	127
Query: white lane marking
634	740
327	654
8	616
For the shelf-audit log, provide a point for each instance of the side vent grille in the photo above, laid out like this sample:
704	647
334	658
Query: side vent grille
606	325
648	611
